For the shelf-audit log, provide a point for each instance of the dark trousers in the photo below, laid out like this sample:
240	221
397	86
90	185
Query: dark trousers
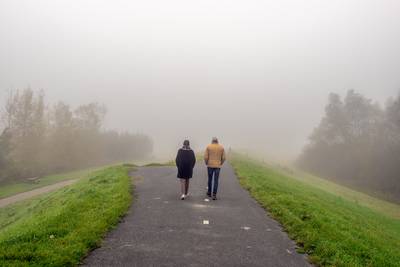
213	183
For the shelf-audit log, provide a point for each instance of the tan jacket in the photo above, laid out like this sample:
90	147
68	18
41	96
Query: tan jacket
214	156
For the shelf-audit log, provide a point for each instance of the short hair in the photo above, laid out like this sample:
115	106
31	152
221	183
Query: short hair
215	140
186	143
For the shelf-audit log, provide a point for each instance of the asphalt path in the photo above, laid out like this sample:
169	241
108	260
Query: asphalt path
162	230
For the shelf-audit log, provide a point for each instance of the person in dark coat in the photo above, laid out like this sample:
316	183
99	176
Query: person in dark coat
185	161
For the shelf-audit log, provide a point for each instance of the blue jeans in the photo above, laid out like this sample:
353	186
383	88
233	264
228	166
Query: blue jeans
213	173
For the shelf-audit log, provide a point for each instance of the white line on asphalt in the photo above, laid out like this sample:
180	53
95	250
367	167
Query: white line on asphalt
206	222
199	206
126	245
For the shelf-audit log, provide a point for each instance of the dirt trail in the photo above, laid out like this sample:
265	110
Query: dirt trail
25	195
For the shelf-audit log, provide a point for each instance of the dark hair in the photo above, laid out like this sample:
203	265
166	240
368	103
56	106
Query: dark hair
186	143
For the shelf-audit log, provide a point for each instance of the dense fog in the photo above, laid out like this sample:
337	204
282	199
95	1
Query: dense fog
40	138
256	74
357	143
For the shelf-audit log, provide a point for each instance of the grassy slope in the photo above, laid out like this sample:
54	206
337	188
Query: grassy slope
381	206
12	189
333	230
59	228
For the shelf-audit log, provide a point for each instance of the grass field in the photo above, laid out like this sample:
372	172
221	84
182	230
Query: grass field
60	228
360	198
326	222
12	189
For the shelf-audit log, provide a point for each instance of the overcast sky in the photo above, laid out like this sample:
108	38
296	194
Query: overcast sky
254	73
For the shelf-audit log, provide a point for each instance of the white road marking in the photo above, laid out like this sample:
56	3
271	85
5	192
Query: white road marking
206	200
269	230
166	202
126	245
199	206
245	228
157	198
288	251
206	222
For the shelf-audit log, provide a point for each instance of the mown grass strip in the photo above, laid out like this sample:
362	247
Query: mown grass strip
332	230
60	228
19	187
381	206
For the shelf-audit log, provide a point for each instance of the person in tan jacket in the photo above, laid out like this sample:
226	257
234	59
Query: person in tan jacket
214	157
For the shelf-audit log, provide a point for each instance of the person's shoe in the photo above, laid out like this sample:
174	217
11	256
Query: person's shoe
183	197
186	195
208	194
214	197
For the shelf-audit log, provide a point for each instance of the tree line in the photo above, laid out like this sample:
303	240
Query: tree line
38	139
357	143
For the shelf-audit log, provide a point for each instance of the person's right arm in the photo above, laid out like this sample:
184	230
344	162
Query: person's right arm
206	156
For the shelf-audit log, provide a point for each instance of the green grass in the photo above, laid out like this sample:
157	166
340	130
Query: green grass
333	230
60	228
363	199
200	157
12	189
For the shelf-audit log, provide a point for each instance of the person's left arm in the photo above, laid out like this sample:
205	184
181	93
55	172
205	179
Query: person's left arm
193	159
178	158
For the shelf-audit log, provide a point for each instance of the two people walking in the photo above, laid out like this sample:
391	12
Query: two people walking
214	158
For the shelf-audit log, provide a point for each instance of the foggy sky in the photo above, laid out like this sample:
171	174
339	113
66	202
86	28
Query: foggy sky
254	73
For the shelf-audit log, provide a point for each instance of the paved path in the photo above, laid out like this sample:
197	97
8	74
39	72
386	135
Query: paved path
25	195
162	230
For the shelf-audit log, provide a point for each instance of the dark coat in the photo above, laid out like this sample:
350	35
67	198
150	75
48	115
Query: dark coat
185	161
